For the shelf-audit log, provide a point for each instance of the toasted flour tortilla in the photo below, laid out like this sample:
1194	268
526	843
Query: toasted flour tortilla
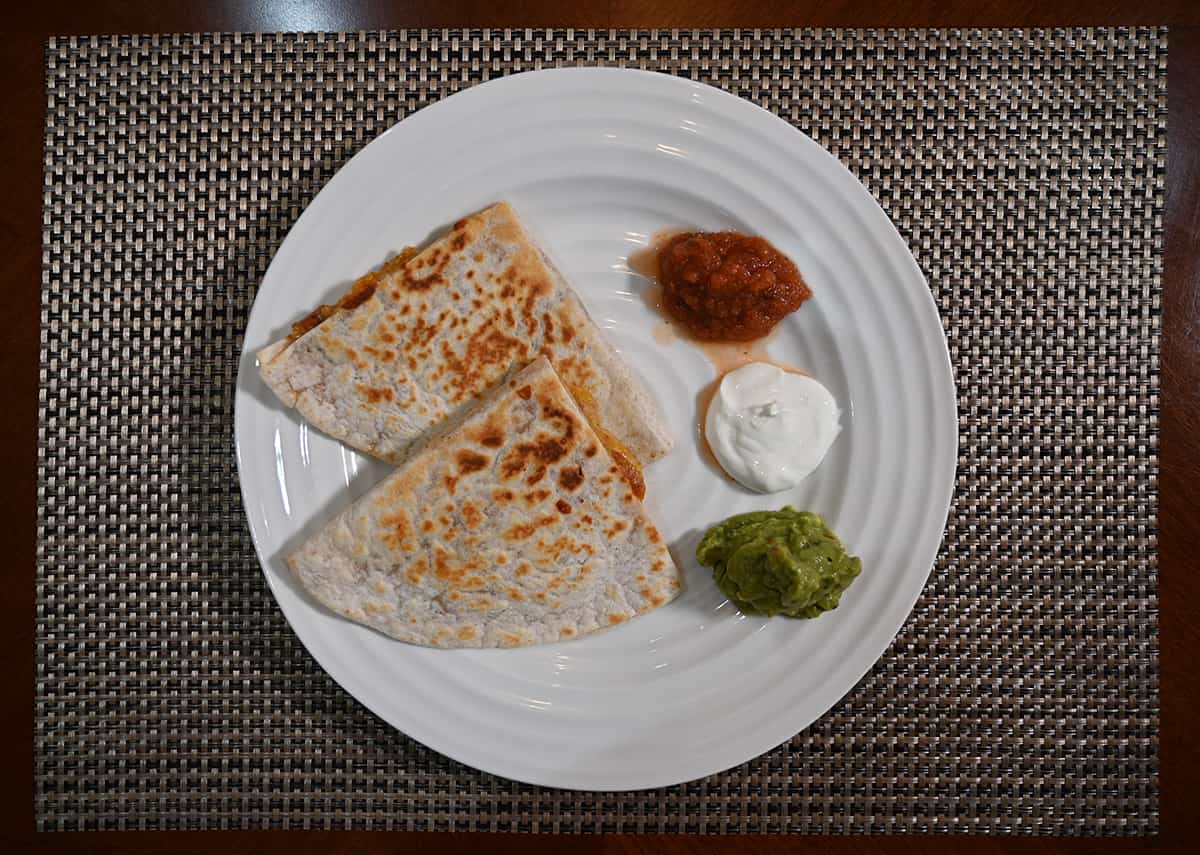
514	528
415	342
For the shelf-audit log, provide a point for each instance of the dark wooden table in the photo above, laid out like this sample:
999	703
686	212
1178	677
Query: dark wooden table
21	58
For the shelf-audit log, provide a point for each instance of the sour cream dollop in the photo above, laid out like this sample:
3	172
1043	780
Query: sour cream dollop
770	428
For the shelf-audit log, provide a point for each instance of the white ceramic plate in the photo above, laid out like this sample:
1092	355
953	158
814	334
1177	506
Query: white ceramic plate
595	161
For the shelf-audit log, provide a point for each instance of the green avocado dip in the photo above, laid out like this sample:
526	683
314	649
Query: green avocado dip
784	562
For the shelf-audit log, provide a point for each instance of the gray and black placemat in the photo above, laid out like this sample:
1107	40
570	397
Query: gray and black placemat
1025	169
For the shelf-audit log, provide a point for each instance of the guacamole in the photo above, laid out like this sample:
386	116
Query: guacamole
784	562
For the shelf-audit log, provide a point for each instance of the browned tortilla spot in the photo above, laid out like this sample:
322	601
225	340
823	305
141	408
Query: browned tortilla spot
489	351
397	529
537	475
524	531
616	528
422	283
417	571
571	477
469	461
567	330
373	395
472	516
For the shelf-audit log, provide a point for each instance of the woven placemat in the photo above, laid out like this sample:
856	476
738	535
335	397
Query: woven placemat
1025	170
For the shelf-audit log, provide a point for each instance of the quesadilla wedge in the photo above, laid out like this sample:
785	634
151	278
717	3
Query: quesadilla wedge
419	339
513	527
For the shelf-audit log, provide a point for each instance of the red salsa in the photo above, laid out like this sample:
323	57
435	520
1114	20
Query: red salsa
727	286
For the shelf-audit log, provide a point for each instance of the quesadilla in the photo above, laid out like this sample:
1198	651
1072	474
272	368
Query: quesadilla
416	341
513	527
